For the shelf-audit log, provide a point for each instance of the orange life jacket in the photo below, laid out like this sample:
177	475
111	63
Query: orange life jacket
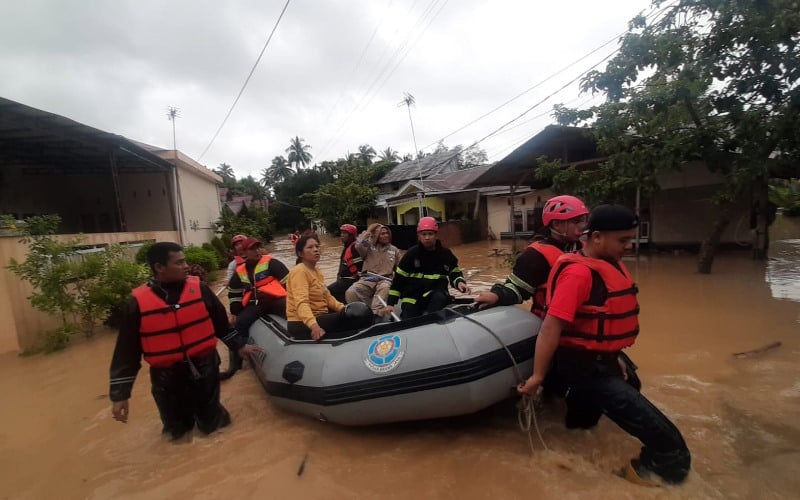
608	327
171	333
352	261
551	253
239	260
265	283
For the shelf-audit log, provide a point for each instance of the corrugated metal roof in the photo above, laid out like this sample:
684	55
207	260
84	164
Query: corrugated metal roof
436	163
44	142
570	144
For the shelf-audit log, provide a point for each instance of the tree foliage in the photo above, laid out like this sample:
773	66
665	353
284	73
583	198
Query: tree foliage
708	80
80	288
298	152
253	221
350	198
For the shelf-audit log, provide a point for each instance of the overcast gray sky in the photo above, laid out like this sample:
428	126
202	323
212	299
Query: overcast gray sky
333	74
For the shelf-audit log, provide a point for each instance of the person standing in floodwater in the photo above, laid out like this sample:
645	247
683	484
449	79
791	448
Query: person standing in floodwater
592	314
174	322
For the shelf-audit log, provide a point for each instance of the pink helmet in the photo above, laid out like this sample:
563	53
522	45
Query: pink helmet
563	207
427	224
236	239
349	228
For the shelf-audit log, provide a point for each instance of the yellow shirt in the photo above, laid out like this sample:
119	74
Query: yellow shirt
308	297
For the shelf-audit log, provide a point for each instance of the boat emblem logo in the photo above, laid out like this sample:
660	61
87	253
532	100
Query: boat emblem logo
384	354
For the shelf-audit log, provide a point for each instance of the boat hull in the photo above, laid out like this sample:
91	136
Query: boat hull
441	365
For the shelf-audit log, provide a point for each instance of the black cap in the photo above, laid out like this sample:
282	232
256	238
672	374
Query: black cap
612	218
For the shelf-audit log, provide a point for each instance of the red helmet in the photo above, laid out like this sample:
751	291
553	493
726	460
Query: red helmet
349	228
563	207
236	239
427	224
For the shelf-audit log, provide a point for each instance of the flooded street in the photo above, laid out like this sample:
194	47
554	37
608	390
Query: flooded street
740	416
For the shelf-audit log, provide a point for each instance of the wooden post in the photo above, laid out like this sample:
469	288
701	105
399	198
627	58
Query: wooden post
112	158
513	225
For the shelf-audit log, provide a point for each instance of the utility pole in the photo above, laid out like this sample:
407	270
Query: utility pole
409	101
172	114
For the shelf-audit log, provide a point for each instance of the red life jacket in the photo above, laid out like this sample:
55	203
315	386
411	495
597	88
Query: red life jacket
352	261
551	253
265	283
171	333
239	260
608	327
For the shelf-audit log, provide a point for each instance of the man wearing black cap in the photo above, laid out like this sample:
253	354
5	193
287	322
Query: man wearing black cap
592	314
256	289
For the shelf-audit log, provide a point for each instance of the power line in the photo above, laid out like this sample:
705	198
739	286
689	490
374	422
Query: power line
360	60
332	138
538	84
247	80
370	94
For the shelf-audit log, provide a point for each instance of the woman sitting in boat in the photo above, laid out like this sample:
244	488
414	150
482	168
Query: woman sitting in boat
311	310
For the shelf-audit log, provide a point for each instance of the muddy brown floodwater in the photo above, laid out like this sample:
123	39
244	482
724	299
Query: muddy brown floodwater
740	416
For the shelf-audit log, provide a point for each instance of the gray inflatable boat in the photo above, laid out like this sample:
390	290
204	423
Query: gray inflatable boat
454	362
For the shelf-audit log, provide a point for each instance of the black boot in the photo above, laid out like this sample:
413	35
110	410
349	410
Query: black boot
234	365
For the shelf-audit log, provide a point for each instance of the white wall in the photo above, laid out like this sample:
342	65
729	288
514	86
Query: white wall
200	206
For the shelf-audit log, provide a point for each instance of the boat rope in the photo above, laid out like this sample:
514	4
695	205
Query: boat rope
526	411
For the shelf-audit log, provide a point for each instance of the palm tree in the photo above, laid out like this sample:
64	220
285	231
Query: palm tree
298	152
366	153
280	169
351	159
225	171
408	101
389	154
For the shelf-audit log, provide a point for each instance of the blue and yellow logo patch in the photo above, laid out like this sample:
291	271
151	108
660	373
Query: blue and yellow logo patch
385	353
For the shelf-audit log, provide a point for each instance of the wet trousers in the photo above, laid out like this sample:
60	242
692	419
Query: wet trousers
368	292
245	320
433	301
185	397
252	312
336	325
596	387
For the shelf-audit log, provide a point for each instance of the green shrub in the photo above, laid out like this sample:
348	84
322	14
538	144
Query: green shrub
141	254
221	248
210	248
80	287
206	258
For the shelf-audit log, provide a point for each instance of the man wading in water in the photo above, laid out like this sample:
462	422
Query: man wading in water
174	322
592	314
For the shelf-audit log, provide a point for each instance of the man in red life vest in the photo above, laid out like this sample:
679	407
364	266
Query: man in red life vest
592	314
174	322
257	289
350	263
564	218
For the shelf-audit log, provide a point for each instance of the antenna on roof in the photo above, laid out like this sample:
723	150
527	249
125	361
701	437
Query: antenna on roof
172	114
408	101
